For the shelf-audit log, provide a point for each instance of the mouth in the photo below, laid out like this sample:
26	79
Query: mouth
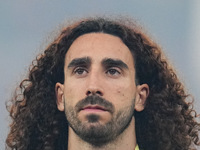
94	108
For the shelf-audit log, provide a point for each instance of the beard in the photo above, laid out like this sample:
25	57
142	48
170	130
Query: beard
93	131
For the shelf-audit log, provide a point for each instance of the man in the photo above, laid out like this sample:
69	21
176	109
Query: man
102	84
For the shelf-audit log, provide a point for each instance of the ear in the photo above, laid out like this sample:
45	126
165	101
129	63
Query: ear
141	96
59	89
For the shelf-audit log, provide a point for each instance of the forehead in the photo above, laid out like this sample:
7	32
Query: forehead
98	46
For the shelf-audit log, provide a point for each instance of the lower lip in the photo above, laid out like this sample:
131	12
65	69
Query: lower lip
93	110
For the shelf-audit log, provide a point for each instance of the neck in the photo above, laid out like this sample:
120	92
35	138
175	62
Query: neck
126	140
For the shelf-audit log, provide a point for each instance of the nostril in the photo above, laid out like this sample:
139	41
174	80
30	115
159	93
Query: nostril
94	93
99	93
88	93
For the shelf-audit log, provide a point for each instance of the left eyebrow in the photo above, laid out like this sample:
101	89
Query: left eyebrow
83	61
110	62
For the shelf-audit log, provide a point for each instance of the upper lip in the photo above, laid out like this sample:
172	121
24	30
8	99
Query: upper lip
94	107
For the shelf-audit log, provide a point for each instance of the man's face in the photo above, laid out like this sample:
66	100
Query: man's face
99	91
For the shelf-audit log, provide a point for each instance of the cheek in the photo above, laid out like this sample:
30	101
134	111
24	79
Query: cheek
127	88
72	94
124	95
121	92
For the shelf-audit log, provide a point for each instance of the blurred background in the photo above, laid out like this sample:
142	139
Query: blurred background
25	26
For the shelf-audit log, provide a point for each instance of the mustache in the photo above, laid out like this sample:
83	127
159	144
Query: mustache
94	100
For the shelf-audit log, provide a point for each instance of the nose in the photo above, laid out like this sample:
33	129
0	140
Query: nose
94	86
94	92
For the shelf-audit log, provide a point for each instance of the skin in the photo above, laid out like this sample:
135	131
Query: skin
115	83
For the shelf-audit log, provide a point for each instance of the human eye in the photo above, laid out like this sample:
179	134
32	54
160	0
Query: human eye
114	72
80	71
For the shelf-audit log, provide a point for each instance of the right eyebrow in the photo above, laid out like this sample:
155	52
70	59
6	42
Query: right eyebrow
83	61
114	62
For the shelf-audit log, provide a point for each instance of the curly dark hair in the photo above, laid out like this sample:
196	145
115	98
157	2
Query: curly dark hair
168	121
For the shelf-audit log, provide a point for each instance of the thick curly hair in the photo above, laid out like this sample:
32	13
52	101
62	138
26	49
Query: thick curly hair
168	121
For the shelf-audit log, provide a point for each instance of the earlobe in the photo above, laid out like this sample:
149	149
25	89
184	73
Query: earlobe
59	89
141	96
